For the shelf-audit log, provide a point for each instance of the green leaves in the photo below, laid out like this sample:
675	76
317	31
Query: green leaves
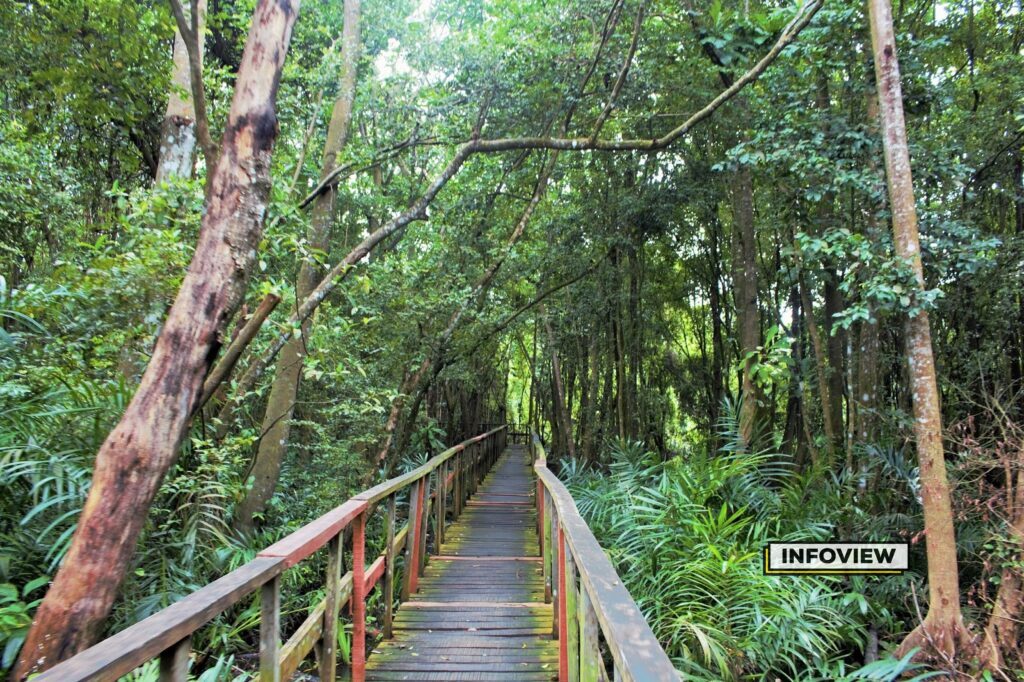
687	536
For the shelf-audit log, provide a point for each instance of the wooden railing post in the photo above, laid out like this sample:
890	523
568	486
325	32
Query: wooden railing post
539	501
359	598
478	458
270	629
569	610
174	661
389	569
424	519
329	636
591	662
456	493
546	543
561	615
412	540
441	498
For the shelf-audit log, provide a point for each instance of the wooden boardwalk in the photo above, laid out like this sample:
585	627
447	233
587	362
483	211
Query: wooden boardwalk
479	611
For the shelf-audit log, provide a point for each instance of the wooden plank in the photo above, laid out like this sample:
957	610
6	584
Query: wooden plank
591	662
546	541
311	537
386	676
270	630
412	545
174	661
469	605
329	618
561	620
389	575
439	506
474	616
451	557
572	625
511	667
121	653
359	598
421	552
456	655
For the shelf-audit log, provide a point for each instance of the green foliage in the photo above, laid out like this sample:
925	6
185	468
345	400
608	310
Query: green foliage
688	534
91	255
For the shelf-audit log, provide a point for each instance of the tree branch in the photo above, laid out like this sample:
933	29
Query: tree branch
617	88
191	35
417	211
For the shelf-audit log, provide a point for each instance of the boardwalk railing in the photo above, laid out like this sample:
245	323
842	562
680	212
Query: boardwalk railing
168	634
518	434
590	602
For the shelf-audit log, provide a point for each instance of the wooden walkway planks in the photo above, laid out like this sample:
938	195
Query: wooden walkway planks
479	612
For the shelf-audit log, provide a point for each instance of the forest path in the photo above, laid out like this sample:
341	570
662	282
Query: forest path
479	611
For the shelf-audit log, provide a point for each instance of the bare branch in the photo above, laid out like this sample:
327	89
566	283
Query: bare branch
417	211
191	35
617	88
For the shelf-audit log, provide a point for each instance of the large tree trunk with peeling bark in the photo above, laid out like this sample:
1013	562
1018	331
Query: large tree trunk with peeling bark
277	419
943	628
178	132
136	455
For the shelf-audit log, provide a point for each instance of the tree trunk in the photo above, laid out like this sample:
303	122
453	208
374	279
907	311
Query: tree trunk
1003	625
943	627
589	408
277	419
864	392
748	319
718	355
178	132
561	410
835	346
136	455
820	369
620	377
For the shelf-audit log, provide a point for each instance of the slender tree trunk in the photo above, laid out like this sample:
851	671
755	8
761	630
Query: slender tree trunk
835	347
178	132
561	410
717	336
620	363
820	369
864	393
134	458
284	391
748	318
834	340
793	433
943	628
589	410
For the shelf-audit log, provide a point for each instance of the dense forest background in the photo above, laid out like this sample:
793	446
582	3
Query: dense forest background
709	332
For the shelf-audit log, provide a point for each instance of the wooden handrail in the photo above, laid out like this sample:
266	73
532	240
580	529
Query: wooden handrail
168	633
599	604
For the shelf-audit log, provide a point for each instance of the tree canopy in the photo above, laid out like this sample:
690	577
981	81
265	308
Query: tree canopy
673	238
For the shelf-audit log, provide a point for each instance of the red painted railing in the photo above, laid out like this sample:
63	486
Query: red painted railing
168	634
590	602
